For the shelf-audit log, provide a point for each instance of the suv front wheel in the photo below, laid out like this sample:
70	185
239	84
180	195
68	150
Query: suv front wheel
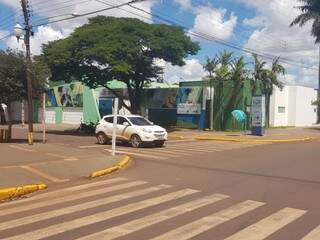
135	141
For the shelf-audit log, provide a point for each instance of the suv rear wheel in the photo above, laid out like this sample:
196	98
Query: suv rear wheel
102	138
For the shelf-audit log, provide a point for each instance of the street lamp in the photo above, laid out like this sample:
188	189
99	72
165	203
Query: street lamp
18	31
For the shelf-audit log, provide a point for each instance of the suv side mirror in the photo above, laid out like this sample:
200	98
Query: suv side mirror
126	124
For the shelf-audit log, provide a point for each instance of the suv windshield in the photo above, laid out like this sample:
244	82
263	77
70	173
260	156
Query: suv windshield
139	121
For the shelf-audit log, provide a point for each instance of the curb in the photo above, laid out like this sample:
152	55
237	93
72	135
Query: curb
176	137
123	163
16	192
254	140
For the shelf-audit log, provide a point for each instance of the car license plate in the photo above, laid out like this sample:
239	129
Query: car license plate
159	136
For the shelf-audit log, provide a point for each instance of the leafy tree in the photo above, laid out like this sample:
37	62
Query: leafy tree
310	12
13	85
122	49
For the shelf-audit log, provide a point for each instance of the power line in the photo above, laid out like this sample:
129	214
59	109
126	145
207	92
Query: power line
7	36
223	42
55	9
89	13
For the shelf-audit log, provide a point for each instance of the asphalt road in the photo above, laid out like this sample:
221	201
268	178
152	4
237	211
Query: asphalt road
187	190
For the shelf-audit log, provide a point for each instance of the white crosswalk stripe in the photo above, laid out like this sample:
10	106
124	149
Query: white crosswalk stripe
180	149
314	235
192	229
141	223
101	216
269	225
88	193
64	191
47	221
77	207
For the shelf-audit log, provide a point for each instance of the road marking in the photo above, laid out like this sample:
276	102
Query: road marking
56	155
159	152
71	197
92	146
149	220
138	154
43	174
174	152
22	148
71	159
314	235
101	216
193	148
65	191
204	224
78	207
269	225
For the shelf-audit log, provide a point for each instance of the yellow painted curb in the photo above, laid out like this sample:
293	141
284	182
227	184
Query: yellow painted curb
16	192
123	163
176	137
255	140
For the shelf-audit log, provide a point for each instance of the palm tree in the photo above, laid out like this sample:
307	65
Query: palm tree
267	78
223	74
211	66
269	81
258	73
238	76
310	11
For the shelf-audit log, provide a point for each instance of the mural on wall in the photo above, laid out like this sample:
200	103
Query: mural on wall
189	100
189	95
161	98
50	98
68	95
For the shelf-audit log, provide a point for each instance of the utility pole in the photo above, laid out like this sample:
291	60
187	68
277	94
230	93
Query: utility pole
25	9
318	91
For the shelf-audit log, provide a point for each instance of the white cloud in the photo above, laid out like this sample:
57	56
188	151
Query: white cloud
288	79
275	36
192	71
213	22
64	28
185	4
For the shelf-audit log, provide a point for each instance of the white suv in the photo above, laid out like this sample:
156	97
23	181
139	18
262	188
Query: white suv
134	129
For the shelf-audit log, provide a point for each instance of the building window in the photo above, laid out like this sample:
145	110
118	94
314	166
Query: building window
281	109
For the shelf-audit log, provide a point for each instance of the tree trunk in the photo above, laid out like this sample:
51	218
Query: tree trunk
9	123
219	108
267	110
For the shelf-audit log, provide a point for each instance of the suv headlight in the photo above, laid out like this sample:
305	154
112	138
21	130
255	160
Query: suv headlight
146	130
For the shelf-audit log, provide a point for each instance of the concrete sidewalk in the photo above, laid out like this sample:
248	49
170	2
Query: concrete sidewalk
22	164
282	134
275	134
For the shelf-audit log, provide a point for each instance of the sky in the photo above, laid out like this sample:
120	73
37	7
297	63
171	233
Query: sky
256	25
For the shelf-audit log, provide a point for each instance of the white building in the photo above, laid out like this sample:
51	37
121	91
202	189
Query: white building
292	106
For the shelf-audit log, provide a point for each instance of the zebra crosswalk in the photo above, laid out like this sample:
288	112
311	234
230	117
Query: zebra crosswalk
55	215
183	149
